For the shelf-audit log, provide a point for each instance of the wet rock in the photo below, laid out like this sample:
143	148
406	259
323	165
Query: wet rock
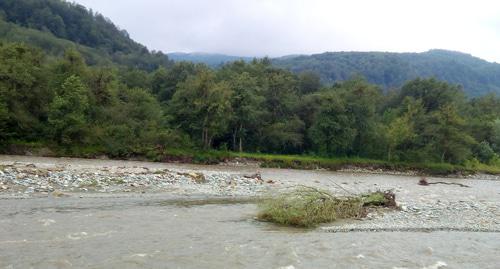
59	194
199	178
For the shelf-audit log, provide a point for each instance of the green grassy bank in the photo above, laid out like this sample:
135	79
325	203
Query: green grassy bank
266	160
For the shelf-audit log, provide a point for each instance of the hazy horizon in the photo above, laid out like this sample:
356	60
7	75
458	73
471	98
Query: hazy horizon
277	28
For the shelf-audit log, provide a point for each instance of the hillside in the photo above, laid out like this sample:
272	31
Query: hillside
211	59
55	25
393	69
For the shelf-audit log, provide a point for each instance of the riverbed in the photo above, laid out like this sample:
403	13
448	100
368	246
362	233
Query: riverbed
211	223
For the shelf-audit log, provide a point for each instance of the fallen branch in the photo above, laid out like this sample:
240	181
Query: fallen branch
423	182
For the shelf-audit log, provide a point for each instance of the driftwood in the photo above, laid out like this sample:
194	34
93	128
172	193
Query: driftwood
423	182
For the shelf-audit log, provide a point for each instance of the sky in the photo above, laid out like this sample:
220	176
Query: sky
282	27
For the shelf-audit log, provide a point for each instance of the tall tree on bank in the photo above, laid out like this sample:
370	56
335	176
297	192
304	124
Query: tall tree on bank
202	105
68	112
246	108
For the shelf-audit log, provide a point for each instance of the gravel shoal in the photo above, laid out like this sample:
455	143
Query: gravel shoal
422	208
28	179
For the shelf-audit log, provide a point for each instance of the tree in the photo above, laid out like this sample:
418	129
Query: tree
3	120
246	107
202	105
362	101
433	93
447	136
164	81
67	112
398	131
495	136
23	90
309	82
283	136
333	131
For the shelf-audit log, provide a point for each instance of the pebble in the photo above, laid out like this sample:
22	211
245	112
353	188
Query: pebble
429	211
31	179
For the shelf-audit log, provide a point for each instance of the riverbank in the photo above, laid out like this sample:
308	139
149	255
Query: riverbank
303	162
474	200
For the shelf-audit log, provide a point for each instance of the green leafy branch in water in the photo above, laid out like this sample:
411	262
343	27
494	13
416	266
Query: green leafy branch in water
305	206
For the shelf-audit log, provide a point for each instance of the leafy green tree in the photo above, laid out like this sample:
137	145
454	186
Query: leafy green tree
202	105
447	136
283	136
333	131
495	136
246	107
134	123
433	93
397	132
103	84
362	101
135	78
481	113
484	152
23	90
4	114
67	112
309	82
164	81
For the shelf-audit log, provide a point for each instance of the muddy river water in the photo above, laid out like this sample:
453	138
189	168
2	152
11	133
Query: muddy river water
172	230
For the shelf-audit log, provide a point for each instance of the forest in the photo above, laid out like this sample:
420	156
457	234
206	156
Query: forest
253	107
392	70
101	93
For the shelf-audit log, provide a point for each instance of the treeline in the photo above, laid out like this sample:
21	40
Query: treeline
392	70
252	107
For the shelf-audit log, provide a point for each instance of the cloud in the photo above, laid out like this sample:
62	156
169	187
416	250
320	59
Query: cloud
280	27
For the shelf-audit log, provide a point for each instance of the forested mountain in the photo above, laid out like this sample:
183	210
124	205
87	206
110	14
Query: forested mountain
56	25
391	70
211	59
102	93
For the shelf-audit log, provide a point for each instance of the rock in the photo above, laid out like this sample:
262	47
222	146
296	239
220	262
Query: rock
198	177
256	176
59	194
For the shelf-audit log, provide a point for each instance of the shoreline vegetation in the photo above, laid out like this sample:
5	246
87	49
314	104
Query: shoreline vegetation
138	104
213	157
304	206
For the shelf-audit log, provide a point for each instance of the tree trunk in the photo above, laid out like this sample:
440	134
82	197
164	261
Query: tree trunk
241	139
234	138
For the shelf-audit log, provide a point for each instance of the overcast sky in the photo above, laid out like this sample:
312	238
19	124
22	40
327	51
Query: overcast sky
281	27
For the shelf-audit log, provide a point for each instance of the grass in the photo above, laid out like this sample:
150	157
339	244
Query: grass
307	206
265	160
315	162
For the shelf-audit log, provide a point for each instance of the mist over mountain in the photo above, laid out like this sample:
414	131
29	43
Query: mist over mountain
211	59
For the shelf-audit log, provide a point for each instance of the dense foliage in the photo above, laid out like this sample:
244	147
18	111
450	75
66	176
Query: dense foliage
392	70
253	107
56	25
72	82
